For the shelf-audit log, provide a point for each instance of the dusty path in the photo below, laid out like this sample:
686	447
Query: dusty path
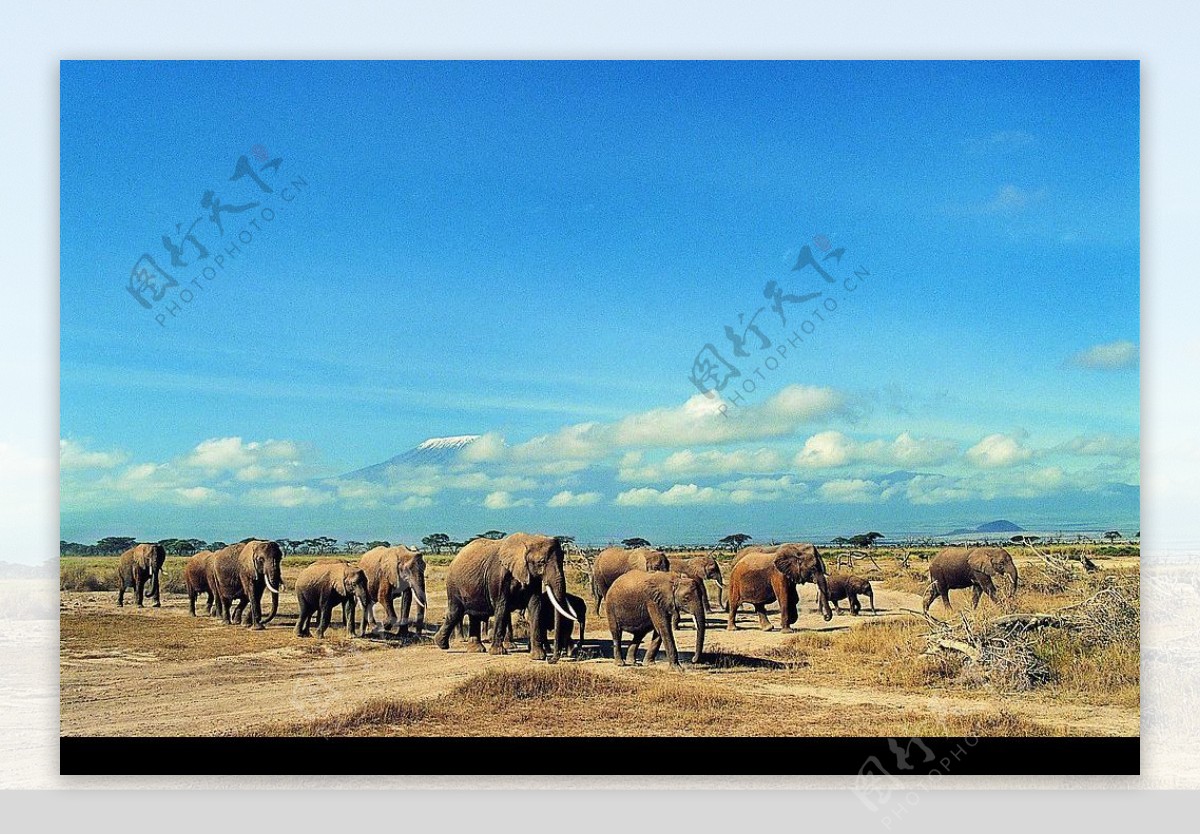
161	672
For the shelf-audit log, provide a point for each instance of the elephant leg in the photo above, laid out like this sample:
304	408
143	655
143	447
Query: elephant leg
157	591
120	591
500	627
662	631
452	620
785	593
635	641
406	604
976	592
990	589
537	636
389	606
139	590
326	616
652	648
348	607
731	621
837	606
508	634
763	623
616	639
255	611
855	608
475	634
302	620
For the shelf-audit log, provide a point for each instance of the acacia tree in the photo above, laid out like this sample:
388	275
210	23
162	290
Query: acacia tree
491	535
865	540
1112	536
436	542
636	542
735	540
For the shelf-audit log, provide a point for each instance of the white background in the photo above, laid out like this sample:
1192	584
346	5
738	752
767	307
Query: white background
1163	35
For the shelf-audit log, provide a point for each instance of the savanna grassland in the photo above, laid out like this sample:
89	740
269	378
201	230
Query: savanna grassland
1073	669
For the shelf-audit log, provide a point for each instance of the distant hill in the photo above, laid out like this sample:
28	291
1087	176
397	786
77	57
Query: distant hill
431	452
998	526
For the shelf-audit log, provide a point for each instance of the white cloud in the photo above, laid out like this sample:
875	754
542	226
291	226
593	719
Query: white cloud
416	502
73	455
679	494
502	500
1106	445
566	498
1110	356
708	462
835	449
288	496
998	450
199	495
849	491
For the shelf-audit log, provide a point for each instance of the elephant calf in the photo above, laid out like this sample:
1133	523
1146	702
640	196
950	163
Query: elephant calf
195	578
140	564
322	586
973	568
848	586
640	602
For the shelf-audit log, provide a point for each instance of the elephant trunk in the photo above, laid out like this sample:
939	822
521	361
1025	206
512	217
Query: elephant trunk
1012	576
698	614
823	597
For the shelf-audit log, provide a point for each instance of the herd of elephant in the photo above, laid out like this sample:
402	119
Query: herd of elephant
644	591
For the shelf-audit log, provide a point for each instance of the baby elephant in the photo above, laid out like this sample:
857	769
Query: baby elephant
640	602
843	586
323	585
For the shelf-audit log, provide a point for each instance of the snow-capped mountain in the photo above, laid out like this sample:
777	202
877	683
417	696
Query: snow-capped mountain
431	452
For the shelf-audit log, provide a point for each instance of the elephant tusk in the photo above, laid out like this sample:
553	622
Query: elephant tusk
561	610
272	589
420	600
719	584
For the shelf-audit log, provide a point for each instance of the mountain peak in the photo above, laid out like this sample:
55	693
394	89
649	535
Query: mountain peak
449	442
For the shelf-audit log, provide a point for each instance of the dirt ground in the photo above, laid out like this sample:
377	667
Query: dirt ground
132	671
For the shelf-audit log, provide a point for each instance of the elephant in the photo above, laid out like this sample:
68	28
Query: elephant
391	573
848	586
493	577
973	568
611	563
647	601
195	578
323	585
241	573
140	563
700	568
772	574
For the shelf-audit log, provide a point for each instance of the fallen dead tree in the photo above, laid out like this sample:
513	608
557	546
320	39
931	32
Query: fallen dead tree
1000	651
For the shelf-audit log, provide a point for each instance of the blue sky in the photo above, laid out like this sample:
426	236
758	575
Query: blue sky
536	252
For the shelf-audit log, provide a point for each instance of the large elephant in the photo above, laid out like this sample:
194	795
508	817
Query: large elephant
241	573
648	601
849	587
325	584
492	577
611	563
391	573
701	568
772	574
140	564
195	579
973	568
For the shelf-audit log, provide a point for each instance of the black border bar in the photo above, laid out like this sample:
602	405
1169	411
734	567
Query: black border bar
571	756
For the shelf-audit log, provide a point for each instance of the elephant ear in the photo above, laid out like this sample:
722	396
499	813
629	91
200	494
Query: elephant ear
341	581
514	556
786	562
980	561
